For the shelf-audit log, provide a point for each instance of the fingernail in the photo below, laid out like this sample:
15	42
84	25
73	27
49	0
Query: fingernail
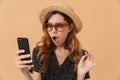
23	50
28	55
86	53
32	65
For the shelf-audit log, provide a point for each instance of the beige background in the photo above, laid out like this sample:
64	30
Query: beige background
100	34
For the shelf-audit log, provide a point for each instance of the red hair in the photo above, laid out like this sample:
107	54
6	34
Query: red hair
46	46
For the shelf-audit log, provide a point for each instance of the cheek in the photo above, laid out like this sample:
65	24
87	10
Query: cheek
64	36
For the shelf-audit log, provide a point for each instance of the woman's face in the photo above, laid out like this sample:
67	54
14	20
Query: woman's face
58	29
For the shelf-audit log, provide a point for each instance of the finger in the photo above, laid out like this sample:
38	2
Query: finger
83	58
24	66
24	56
89	55
23	62
20	52
17	59
21	66
26	61
20	57
95	63
92	58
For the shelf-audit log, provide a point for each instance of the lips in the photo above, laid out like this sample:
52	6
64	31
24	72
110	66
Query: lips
55	39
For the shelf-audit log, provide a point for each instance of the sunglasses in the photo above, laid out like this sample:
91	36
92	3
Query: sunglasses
58	26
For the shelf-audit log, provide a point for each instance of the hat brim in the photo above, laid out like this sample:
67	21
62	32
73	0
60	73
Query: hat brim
64	9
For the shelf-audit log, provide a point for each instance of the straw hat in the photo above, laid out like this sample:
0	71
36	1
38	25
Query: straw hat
64	9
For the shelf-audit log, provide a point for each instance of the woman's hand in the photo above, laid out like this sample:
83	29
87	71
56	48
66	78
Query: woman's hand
86	63
21	64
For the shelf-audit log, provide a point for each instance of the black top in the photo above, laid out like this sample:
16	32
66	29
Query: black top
54	71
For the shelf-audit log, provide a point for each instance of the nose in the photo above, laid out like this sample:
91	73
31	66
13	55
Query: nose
54	30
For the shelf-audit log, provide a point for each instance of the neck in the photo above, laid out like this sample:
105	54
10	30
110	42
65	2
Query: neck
60	48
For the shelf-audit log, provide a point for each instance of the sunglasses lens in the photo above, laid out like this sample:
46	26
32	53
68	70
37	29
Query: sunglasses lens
48	26
57	26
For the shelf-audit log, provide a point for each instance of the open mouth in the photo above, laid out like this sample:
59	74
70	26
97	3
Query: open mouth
54	38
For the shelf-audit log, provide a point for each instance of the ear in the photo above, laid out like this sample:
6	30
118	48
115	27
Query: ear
71	27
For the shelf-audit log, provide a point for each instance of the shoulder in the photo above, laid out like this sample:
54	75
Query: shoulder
36	52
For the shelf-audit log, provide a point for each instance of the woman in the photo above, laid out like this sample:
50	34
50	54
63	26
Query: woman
58	56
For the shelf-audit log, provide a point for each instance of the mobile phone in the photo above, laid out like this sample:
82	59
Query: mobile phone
23	43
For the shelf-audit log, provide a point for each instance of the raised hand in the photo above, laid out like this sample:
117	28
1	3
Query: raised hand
86	63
